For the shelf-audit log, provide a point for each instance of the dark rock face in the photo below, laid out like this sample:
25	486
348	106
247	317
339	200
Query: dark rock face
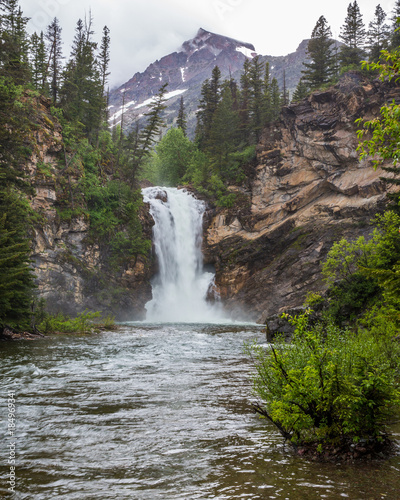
309	190
186	70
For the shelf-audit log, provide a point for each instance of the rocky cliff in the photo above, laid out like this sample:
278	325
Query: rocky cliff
72	270
308	189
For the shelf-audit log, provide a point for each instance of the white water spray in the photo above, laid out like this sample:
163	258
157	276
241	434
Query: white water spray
181	286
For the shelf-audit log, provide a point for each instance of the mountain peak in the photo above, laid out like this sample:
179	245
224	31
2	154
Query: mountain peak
216	44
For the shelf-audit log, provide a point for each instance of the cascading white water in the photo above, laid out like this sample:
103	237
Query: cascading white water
180	288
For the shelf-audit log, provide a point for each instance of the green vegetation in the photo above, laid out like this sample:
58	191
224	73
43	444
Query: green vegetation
327	60
339	381
229	123
85	322
330	385
97	173
338	384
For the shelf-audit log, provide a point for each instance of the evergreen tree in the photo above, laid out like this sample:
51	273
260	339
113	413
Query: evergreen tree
14	44
378	34
256	98
395	27
16	278
275	99
301	91
82	95
210	97
104	58
353	35
181	120
224	135
320	70
244	102
138	144
53	37
39	62
267	95
285	92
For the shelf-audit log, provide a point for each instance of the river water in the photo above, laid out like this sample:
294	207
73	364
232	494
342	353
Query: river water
158	412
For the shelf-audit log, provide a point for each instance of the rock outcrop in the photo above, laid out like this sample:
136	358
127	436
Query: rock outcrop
72	270
309	189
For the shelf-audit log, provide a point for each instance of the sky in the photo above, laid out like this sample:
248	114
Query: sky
144	31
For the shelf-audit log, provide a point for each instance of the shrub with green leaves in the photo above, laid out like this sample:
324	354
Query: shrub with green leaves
361	272
329	385
59	323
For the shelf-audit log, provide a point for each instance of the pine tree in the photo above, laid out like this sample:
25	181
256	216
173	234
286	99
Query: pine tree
378	34
244	102
181	120
210	97
256	98
267	95
16	278
53	37
224	135
14	44
353	35
320	70
285	92
104	58
39	62
395	28
138	144
82	96
301	91
275	99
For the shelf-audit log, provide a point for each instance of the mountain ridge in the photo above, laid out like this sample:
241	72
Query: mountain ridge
185	71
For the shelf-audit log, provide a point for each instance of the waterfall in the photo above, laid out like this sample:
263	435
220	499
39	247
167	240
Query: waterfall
181	285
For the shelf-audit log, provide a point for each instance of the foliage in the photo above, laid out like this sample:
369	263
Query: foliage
174	152
379	136
60	323
137	146
378	34
353	36
329	385
321	68
301	92
355	271
16	278
181	120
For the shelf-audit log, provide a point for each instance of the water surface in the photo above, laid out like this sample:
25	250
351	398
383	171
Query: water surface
158	412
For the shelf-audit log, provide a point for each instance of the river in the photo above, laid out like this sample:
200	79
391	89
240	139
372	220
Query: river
158	412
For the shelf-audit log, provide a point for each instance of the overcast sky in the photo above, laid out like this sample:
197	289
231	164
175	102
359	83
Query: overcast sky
143	31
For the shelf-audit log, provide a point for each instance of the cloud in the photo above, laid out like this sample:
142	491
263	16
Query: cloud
143	31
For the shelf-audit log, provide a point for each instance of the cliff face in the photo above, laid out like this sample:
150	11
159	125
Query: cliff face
71	269
309	189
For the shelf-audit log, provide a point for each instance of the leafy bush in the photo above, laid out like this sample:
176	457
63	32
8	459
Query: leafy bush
329	385
59	323
361	272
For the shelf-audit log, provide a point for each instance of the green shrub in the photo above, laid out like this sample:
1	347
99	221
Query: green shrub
59	323
329	385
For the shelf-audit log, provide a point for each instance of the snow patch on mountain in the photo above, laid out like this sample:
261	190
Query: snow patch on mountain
246	52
